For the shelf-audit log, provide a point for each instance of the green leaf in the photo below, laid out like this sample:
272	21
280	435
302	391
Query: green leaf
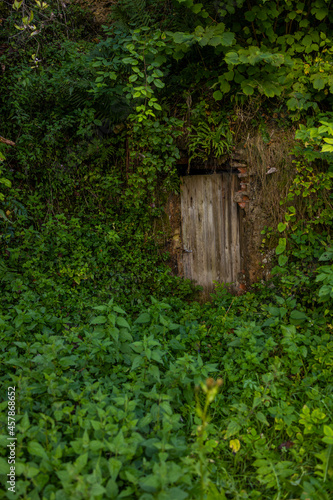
224	86
122	322
159	84
250	16
298	315
307	40
227	39
328	255
247	89
138	361
119	310
99	320
155	372
282	227
5	182
143	318
217	95
327	148
233	428
318	83
261	417
197	8
3	215
129	60
320	13
81	462
232	58
281	246
36	449
151	483
328	431
112	489
114	332
283	259
328	439
114	467
100	308
4	466
97	490
174	494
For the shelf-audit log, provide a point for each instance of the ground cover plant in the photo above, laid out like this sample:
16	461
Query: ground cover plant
107	407
126	386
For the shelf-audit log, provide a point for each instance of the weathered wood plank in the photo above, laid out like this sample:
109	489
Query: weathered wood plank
210	229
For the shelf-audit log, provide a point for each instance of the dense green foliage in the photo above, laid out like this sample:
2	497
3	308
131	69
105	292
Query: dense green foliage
110	355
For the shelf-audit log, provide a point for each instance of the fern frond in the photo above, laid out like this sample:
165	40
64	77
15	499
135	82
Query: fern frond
131	13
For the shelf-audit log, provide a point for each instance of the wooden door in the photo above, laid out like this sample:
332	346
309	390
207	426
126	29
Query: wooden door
210	229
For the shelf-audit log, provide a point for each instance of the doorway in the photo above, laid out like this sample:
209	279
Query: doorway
211	229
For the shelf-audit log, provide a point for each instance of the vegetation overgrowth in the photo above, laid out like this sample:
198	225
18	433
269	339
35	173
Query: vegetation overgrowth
126	386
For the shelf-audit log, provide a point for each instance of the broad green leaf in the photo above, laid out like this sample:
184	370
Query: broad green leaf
159	84
232	58
36	449
298	315
328	431
119	310
129	60
143	318
197	8
150	483
81	462
320	13
114	332
224	86
112	489
138	361
114	467
283	259
282	227
328	255
173	494
4	465
247	89
155	372
318	83
97	490
99	320
217	95
123	323
281	246
227	39
327	148
261	417
233	428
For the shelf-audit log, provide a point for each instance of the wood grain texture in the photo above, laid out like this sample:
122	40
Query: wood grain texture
210	229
